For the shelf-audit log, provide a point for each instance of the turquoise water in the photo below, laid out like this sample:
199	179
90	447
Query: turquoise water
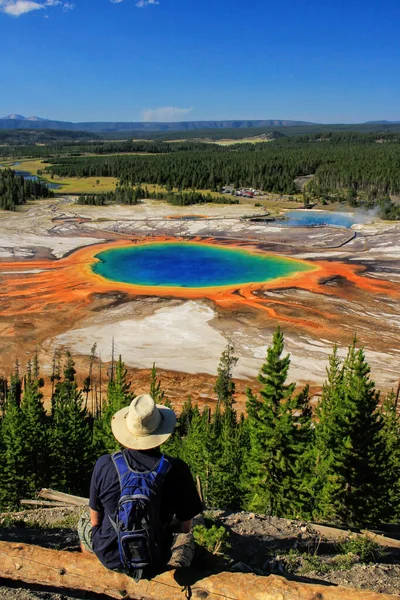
309	218
190	265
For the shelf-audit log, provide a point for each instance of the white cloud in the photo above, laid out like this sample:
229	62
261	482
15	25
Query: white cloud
19	7
16	8
139	3
164	113
143	3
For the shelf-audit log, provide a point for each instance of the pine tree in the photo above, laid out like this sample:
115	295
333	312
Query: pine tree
225	386
222	488
299	495
71	435
55	375
268	467
194	450
156	391
35	430
349	445
88	381
13	485
390	432
119	395
185	417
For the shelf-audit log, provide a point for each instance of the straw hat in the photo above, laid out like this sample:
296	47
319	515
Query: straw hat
144	424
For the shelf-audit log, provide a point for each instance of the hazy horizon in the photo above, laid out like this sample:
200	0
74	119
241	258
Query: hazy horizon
13	116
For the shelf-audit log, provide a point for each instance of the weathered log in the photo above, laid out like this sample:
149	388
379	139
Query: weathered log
183	551
72	570
47	503
49	494
343	534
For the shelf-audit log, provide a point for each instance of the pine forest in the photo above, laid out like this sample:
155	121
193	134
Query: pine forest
338	464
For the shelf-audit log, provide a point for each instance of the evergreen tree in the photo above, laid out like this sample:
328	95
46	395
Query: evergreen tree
223	439
71	435
156	391
194	450
225	386
88	381
299	482
390	432
13	484
349	446
119	395
35	430
270	469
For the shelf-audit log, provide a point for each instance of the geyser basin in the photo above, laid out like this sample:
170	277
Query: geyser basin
192	265
313	218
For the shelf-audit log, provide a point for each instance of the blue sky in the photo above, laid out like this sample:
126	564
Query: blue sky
132	60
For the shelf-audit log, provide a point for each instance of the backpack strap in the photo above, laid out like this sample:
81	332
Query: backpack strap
124	471
122	467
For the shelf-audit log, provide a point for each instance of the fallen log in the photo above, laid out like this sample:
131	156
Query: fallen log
46	503
83	572
49	494
343	534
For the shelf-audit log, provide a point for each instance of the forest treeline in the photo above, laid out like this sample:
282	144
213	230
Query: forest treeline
339	465
53	148
129	195
273	166
15	190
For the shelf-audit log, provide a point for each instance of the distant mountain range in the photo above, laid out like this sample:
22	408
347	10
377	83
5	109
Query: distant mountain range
382	123
21	118
15	121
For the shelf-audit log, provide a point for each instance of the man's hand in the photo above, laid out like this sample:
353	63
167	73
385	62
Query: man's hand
186	526
181	526
96	518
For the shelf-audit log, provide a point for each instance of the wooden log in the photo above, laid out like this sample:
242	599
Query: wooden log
47	503
334	533
83	572
183	551
49	494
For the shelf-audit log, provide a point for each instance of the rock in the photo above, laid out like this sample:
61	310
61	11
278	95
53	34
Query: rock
241	567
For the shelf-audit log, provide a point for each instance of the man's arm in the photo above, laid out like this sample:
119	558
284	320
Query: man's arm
96	517
186	526
181	526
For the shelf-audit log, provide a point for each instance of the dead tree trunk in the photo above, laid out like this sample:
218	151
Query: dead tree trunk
72	570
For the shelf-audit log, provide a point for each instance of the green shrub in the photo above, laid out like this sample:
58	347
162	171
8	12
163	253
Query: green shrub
364	547
212	538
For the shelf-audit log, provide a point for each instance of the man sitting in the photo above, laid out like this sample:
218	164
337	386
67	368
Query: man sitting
155	489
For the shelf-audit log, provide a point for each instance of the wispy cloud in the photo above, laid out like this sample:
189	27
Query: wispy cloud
143	3
164	113
16	8
138	3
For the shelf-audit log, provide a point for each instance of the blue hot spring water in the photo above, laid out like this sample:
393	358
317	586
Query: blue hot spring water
190	265
309	218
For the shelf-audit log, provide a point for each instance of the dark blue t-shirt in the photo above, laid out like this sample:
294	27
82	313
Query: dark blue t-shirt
179	499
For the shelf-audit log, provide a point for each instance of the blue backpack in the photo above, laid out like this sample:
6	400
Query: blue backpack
137	518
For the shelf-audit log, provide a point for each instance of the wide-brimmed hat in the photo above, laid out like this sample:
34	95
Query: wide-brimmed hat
144	424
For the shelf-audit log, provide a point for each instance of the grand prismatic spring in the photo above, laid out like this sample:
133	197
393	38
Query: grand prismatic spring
190	265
